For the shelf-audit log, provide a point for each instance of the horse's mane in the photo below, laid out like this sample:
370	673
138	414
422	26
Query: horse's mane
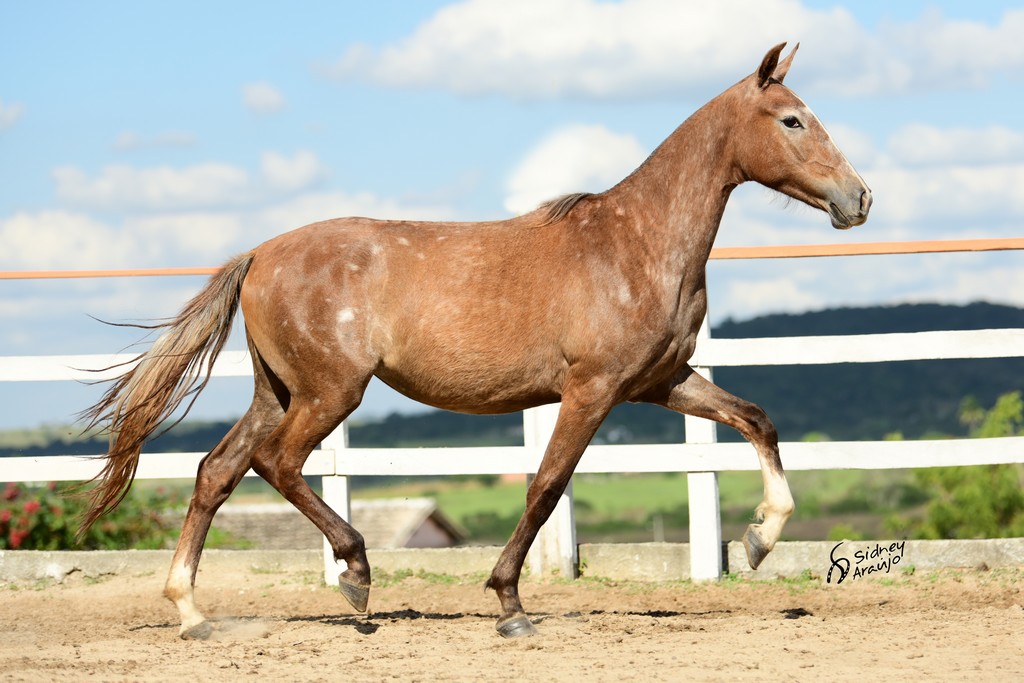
559	207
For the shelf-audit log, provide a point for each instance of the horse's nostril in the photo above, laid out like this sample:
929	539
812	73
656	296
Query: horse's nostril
865	201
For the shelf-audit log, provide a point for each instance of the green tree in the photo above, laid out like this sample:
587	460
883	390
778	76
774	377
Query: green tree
1005	419
977	502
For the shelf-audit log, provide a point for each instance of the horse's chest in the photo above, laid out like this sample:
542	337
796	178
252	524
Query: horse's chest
672	357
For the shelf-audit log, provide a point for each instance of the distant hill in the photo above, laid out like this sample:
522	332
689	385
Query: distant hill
875	320
844	402
869	400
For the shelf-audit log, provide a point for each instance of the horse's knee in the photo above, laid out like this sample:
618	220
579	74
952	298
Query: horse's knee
541	500
759	426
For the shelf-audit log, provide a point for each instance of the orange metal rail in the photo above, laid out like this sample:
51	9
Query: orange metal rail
720	253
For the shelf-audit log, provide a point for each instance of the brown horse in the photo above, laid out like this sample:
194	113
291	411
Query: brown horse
591	300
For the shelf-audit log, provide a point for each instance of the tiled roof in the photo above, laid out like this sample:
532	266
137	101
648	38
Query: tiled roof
384	523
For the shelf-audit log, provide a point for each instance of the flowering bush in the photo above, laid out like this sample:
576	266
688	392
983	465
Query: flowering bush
46	518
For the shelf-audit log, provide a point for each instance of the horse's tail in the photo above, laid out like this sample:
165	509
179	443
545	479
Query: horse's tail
176	367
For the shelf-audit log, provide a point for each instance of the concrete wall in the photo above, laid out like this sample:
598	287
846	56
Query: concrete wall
620	561
671	561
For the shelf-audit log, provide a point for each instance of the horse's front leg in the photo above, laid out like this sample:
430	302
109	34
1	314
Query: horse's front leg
580	415
693	395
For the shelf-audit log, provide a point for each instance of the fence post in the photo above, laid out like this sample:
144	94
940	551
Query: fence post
338	497
705	513
554	549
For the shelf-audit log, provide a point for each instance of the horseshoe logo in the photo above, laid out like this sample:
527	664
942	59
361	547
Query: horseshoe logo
842	564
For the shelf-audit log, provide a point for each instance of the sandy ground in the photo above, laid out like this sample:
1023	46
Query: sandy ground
948	626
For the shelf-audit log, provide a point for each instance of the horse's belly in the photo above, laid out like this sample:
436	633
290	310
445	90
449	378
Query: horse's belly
482	385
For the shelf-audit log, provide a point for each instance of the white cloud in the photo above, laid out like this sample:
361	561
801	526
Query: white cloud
575	158
746	297
194	236
206	185
588	48
545	48
262	98
948	197
50	240
196	215
745	289
950	53
162	187
922	144
290	174
64	240
1003	284
10	114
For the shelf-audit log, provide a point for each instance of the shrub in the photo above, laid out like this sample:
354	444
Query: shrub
47	517
985	501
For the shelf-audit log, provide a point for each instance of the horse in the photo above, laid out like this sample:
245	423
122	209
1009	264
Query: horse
590	300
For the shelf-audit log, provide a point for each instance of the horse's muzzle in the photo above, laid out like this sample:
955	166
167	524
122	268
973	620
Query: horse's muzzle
851	214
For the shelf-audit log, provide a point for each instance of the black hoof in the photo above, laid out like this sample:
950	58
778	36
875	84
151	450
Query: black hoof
357	594
518	626
201	631
755	547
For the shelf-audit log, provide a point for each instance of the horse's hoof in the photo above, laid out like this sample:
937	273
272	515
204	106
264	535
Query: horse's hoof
201	631
357	594
518	626
755	547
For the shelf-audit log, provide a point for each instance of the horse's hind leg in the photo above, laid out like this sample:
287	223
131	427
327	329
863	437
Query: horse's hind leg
279	461
694	395
219	474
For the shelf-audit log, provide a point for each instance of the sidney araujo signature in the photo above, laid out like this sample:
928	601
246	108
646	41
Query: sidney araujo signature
872	558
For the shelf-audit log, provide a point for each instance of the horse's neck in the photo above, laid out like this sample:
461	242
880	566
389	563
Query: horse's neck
682	189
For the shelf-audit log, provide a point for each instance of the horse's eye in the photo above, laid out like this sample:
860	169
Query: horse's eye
792	122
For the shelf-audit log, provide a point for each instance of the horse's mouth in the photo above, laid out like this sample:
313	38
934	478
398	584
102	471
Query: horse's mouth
840	221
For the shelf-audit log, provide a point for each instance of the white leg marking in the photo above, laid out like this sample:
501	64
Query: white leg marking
179	590
776	507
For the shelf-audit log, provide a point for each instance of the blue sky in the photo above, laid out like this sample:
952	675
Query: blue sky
177	134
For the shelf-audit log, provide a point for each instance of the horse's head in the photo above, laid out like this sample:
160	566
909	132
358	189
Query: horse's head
782	145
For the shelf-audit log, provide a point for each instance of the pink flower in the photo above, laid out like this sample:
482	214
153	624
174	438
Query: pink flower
11	492
17	537
31	506
5	516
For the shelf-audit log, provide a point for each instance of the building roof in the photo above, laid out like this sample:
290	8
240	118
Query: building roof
384	523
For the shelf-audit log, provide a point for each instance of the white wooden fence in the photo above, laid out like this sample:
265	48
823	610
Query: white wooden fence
700	456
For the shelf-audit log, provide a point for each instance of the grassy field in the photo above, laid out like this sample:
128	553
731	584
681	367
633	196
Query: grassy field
654	506
643	507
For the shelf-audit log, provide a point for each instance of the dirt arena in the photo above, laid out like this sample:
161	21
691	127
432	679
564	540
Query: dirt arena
947	626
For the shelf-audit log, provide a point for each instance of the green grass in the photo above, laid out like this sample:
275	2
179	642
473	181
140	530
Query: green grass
621	507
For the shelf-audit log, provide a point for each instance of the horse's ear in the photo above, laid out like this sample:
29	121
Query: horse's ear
783	68
768	64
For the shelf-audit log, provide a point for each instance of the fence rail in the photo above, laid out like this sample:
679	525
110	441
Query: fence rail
701	457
